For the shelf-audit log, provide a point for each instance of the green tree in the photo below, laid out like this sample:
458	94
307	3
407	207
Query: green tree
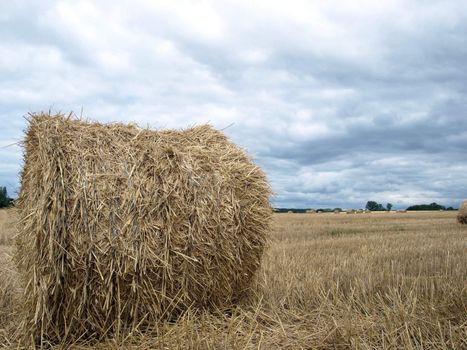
431	206
374	206
5	201
371	205
389	206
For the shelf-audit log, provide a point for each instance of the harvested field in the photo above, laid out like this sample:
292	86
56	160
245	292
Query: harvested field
327	282
7	226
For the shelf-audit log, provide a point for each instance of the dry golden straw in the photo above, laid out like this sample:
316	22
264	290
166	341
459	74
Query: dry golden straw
121	227
462	213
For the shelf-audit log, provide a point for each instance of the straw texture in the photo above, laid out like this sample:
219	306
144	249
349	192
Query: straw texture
462	213
122	227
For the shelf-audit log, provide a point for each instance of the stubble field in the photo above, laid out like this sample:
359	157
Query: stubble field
361	281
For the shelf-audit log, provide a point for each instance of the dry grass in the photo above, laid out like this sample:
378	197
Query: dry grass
9	290
377	281
7	226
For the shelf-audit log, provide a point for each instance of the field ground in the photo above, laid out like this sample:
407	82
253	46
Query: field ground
362	281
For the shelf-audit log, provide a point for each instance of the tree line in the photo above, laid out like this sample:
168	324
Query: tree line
374	206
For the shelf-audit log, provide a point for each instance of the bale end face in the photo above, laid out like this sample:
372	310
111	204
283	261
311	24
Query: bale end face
462	213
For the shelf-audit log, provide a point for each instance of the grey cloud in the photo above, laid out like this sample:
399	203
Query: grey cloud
338	104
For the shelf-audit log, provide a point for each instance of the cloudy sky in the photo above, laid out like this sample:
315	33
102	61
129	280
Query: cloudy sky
339	103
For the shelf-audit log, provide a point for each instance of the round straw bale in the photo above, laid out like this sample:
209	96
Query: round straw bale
462	213
122	227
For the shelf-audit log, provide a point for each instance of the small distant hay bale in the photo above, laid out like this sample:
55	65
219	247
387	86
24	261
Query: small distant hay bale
402	211
462	213
123	227
337	211
311	211
350	211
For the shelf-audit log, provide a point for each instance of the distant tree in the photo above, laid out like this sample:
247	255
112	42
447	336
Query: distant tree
338	209
325	210
431	206
5	201
389	206
371	205
374	206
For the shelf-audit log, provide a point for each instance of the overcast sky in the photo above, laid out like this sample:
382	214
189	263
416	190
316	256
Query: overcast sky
339	103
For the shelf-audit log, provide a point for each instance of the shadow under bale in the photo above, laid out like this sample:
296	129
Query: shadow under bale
122	227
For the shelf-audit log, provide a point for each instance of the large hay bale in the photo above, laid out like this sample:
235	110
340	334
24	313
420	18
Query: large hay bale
462	213
122	227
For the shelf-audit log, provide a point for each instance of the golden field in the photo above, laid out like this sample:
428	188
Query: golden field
361	281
